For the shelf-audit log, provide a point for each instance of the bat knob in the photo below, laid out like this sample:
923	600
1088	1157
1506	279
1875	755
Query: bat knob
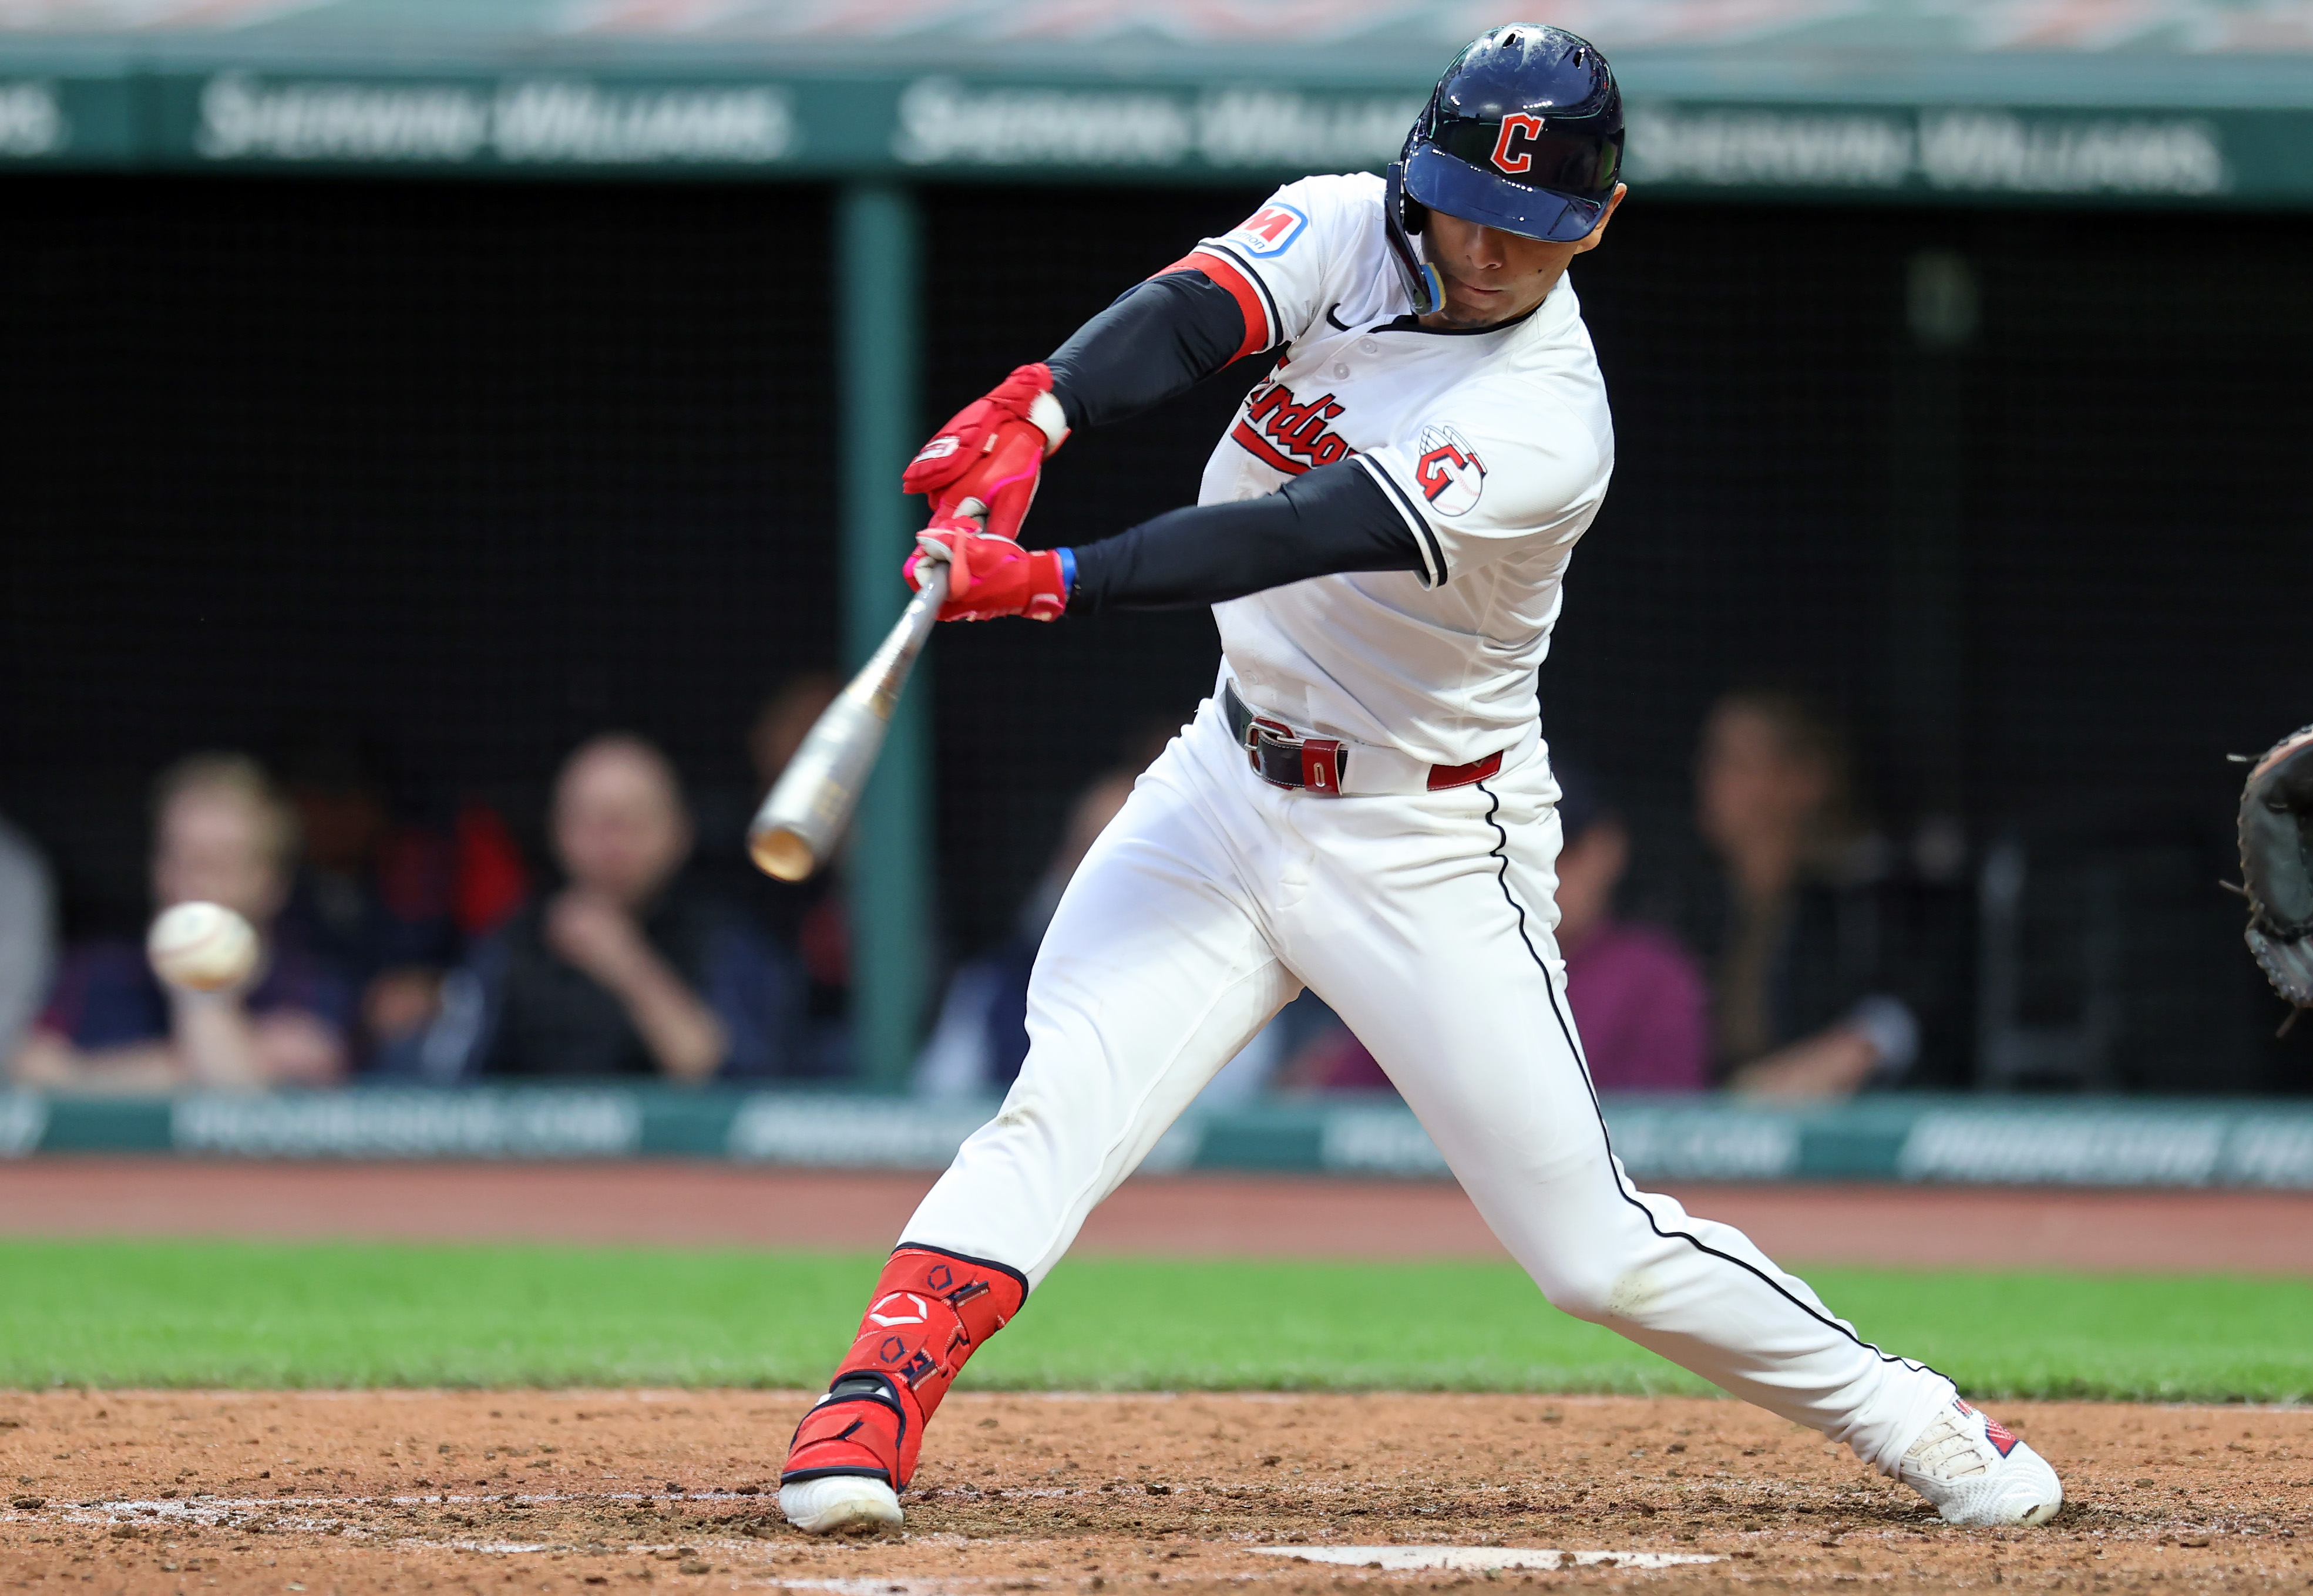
780	853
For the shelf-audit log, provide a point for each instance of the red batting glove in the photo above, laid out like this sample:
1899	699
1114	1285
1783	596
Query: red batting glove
984	465
990	576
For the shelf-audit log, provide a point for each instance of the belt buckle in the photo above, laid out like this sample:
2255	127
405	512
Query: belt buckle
1261	734
1317	760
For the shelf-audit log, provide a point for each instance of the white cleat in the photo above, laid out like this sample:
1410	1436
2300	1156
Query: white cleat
1976	1472
835	1502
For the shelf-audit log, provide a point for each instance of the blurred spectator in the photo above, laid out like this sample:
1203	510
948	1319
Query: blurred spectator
491	879
28	944
625	970
220	833
1639	1001
1812	997
1638	997
371	896
806	918
982	1038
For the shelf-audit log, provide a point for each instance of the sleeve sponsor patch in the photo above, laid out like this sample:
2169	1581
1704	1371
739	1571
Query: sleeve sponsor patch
1269	231
1450	474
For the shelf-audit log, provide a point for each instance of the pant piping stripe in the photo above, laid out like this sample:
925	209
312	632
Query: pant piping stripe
1550	989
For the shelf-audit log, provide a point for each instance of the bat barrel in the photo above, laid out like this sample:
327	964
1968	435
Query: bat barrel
799	825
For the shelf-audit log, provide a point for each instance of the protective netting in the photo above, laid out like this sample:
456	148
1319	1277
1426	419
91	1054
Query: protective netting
464	473
468	471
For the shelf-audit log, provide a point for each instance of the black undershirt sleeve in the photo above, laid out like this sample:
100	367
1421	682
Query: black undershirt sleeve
1158	338
1331	520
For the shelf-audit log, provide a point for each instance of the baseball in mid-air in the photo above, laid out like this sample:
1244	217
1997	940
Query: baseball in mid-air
201	947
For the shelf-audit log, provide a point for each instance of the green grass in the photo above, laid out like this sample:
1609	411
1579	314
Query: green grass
253	1314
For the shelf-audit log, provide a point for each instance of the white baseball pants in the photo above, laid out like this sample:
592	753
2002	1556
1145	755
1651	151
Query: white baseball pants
1424	922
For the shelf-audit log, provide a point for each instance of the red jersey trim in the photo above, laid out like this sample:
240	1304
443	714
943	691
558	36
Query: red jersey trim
1255	445
1258	334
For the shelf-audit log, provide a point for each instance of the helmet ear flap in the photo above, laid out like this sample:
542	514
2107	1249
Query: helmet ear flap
1403	219
1407	215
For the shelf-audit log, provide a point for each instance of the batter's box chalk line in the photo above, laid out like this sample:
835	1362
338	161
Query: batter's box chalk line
1394	1558
1399	1558
272	1514
882	1585
970	1584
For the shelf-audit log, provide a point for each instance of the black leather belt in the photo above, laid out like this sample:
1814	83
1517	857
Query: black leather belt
1321	764
1311	763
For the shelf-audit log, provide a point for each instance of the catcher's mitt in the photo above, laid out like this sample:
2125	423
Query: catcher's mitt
2276	852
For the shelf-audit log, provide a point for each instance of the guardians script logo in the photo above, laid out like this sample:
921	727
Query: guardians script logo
1289	436
1449	471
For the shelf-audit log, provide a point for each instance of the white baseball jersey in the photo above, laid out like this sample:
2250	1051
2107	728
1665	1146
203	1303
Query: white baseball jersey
1495	445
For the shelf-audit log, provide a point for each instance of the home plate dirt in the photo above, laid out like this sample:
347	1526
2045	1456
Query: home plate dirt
340	1494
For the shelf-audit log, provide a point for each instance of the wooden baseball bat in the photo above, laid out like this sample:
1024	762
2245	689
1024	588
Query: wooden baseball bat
799	824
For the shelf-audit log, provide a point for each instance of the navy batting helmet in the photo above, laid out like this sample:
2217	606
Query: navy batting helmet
1522	133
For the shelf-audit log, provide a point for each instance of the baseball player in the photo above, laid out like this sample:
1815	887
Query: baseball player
1365	804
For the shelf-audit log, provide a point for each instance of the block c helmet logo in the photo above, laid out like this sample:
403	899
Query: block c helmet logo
1449	471
1519	129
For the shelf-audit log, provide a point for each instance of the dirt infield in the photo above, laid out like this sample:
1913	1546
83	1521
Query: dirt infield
1213	1215
571	1491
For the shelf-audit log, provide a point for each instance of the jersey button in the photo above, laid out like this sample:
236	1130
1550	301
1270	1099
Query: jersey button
1341	368
1369	346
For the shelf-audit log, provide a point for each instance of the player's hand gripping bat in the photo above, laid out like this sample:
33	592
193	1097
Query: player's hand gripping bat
799	825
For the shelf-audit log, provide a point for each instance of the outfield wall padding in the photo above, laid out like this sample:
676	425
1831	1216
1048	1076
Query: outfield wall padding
2077	1142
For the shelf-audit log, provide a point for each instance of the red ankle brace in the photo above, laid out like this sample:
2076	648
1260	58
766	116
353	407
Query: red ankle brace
930	1311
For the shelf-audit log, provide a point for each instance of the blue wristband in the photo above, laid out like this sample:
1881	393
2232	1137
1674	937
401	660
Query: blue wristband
1068	574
